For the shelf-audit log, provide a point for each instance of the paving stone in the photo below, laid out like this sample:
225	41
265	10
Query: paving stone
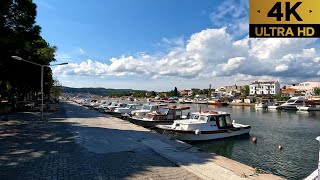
36	150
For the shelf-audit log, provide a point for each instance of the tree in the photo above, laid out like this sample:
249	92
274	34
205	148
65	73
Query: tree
316	91
56	88
153	94
20	36
245	90
175	92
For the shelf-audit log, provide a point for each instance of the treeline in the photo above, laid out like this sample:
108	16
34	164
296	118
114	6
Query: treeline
20	36
97	91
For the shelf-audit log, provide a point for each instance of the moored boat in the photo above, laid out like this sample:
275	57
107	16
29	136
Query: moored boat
309	108
215	102
205	126
164	115
293	103
126	110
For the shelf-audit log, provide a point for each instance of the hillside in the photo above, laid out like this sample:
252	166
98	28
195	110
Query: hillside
96	91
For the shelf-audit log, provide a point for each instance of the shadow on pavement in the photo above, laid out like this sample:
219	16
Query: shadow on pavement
30	149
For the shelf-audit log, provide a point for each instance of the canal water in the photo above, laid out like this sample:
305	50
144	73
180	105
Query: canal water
294	131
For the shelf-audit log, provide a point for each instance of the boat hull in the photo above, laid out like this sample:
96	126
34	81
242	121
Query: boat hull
208	135
304	108
149	123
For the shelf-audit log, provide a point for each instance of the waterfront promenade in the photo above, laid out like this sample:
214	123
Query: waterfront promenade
80	143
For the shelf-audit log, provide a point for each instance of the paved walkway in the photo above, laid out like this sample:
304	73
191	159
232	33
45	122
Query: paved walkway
79	143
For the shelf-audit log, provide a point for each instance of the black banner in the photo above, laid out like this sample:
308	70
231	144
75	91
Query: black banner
284	30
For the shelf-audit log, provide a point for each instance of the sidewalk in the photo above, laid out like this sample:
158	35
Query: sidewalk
79	143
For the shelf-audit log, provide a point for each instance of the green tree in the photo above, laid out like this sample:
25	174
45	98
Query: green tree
245	90
153	94
175	92
316	91
20	36
56	88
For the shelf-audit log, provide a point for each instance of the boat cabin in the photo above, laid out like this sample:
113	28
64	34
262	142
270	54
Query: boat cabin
221	119
166	113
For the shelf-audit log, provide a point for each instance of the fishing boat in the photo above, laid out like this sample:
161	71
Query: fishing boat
263	104
293	103
164	115
126	110
205	125
113	106
215	102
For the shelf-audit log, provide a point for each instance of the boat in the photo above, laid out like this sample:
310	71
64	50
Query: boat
310	107
126	110
205	125
293	103
262	104
273	106
164	115
215	102
113	106
146	108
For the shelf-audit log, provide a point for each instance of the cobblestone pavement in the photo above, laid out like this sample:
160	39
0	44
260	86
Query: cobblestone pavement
30	149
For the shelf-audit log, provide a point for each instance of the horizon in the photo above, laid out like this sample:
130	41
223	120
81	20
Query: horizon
160	44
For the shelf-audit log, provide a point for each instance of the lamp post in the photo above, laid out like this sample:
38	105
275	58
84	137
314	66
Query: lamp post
42	67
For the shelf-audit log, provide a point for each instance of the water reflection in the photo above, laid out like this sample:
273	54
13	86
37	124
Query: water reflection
294	131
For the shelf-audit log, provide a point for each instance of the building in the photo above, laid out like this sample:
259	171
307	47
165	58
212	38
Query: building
233	88
304	86
185	92
264	88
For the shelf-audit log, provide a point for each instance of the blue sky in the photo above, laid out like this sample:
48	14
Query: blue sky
160	44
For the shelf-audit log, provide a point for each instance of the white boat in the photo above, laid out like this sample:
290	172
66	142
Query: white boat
274	106
146	108
262	104
205	126
127	110
164	115
293	103
309	108
113	106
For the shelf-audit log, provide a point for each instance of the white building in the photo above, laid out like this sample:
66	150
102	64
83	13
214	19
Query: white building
264	87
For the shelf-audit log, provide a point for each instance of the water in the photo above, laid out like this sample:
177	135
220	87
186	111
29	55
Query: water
295	132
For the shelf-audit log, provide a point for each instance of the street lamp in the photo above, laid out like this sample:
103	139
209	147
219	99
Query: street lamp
42	66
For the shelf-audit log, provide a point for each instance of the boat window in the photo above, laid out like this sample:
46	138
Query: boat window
299	101
128	106
203	118
146	107
228	120
290	101
178	113
212	118
222	122
163	111
194	116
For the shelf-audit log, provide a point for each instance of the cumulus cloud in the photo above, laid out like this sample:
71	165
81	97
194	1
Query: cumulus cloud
281	67
212	53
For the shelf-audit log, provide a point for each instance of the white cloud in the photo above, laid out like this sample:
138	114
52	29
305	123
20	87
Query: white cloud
212	53
281	67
